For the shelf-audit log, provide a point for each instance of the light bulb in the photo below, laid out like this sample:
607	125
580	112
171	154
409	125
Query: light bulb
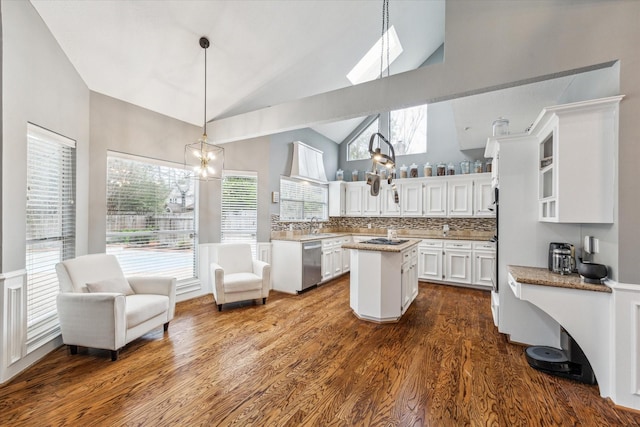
196	153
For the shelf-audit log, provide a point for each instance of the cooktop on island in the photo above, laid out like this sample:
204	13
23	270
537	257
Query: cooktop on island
384	241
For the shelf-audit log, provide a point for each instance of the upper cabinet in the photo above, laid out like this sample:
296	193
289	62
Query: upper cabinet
469	196
576	162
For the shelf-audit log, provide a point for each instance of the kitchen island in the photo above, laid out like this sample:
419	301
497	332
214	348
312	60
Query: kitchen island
384	278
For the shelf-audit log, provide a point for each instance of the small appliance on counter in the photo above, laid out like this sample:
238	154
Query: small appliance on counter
562	258
592	272
568	362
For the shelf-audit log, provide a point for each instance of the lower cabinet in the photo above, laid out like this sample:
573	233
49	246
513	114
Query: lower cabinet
409	277
335	260
463	262
457	262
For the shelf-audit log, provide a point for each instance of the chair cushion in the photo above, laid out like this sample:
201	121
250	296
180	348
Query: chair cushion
118	285
142	307
241	282
235	258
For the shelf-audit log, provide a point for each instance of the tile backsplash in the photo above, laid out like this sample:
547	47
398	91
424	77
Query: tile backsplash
344	223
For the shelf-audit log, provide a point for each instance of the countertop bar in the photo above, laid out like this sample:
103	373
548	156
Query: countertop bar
544	277
381	248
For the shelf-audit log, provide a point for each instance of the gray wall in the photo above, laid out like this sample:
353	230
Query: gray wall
42	87
494	44
442	145
119	126
281	151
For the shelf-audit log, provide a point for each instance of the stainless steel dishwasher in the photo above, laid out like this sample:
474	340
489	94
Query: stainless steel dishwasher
311	263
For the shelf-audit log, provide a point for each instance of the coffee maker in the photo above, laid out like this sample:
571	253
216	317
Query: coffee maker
562	258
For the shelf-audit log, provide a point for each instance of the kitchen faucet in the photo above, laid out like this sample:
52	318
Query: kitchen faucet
311	229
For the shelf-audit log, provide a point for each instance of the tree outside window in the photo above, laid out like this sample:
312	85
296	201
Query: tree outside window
409	130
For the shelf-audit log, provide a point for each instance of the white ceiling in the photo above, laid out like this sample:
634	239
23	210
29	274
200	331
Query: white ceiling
262	52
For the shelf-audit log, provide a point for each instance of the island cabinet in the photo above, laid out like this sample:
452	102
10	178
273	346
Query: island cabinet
384	280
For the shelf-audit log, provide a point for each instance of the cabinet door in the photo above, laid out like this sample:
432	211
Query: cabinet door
327	264
405	285
483	265
370	204
411	199
389	206
346	260
414	273
336	261
434	198
430	264
337	196
457	266
482	197
353	200
460	200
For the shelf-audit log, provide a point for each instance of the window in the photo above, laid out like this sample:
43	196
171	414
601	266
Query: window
409	130
303	200
358	149
51	227
239	217
368	68
151	217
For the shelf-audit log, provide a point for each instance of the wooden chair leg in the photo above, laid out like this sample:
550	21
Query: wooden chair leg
219	307
114	355
166	326
73	349
264	301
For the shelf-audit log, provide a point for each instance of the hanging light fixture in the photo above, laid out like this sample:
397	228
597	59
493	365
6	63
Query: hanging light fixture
205	158
377	156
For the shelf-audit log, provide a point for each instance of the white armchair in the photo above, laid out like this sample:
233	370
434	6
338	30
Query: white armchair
99	308
236	276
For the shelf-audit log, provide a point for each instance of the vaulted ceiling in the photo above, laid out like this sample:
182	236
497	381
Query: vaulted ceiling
262	52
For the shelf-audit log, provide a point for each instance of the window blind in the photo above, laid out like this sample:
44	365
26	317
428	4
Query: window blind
151	217
239	208
50	226
303	200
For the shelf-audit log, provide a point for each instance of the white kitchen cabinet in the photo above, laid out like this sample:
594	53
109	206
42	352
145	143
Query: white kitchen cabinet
286	266
346	256
353	199
337	198
457	262
333	257
483	196
434	197
484	258
387	198
576	152
409	277
411	199
460	196
430	260
370	204
327	264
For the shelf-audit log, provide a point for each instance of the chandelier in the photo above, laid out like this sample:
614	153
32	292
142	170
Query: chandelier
206	159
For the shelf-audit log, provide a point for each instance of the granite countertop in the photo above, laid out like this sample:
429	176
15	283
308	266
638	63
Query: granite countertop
544	277
298	236
382	248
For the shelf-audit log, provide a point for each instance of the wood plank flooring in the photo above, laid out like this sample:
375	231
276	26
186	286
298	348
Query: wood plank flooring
306	360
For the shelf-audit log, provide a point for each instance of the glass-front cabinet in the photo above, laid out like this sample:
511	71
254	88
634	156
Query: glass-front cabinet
577	158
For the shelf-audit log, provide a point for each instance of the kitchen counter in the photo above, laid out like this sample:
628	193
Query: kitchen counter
297	236
544	277
381	248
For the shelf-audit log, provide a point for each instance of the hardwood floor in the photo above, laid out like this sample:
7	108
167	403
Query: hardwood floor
307	360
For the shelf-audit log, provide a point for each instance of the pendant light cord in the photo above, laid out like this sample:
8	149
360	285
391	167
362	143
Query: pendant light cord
205	91
384	42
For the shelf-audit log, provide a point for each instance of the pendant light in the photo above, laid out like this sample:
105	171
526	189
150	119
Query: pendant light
377	156
206	159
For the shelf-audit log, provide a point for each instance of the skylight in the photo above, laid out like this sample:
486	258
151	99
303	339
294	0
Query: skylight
369	66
